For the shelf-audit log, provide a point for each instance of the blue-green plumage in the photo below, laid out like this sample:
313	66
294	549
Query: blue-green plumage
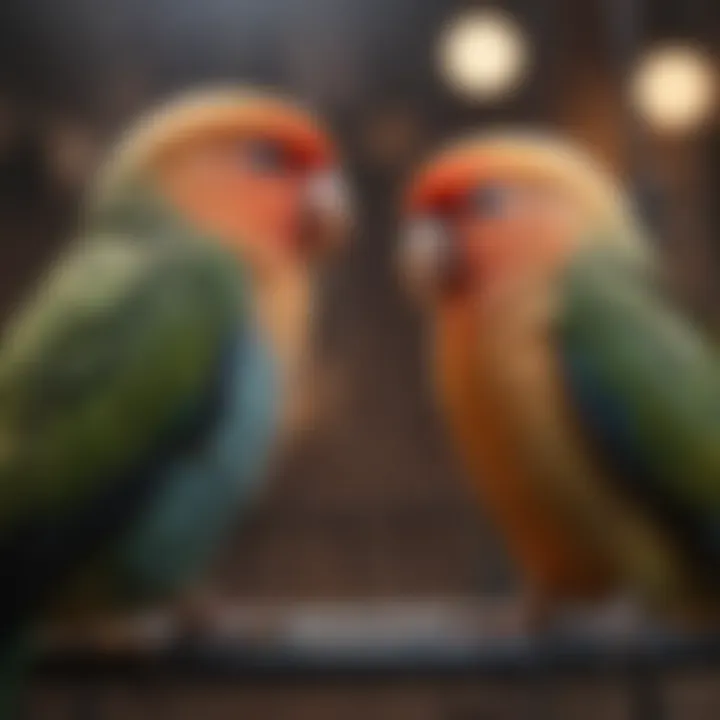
137	406
138	394
175	535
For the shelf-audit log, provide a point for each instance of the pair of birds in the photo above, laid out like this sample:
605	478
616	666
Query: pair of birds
142	385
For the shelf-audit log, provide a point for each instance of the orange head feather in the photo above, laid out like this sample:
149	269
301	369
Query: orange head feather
497	204
253	170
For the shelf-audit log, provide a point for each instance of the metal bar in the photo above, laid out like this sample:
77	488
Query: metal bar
283	662
625	32
383	643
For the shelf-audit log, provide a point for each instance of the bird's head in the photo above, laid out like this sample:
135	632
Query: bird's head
496	206
255	172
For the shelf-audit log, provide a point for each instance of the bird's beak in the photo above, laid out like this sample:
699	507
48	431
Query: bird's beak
327	212
430	262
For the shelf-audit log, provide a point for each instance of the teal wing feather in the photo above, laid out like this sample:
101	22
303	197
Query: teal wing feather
177	535
645	385
99	370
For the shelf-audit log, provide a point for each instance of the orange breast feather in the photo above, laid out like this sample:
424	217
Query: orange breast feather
490	369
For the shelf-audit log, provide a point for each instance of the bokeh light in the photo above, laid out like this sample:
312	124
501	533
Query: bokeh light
483	55
673	88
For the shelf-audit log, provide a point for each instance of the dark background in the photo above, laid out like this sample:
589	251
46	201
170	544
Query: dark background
370	505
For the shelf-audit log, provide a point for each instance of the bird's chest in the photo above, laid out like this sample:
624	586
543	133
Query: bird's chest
490	355
496	375
239	440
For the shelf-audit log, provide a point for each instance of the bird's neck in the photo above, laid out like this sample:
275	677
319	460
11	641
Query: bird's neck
282	294
284	308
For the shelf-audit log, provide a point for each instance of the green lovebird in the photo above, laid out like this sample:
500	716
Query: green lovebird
144	380
583	400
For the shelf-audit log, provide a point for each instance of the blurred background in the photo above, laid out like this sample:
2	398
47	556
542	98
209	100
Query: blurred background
370	507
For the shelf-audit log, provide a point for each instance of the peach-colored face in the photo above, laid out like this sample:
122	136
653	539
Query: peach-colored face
468	236
276	194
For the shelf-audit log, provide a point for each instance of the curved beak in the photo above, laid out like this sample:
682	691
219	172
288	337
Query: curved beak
430	262
327	212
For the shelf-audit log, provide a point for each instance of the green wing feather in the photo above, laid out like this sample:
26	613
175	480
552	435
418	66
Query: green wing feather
645	383
117	343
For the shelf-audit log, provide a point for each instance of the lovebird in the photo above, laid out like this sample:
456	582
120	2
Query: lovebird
582	399
145	380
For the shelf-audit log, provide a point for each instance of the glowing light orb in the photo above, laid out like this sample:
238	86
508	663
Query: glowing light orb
674	88
483	55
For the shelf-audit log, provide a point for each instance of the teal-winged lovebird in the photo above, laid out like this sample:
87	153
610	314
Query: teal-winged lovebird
143	382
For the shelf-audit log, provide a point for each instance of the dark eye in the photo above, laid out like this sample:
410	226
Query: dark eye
492	201
265	156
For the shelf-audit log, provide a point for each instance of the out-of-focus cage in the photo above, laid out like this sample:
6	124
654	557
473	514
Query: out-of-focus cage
369	507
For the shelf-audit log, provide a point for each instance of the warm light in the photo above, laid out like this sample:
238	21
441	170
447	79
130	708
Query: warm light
483	54
674	88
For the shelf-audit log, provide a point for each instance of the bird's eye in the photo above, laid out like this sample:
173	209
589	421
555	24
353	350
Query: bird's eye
264	156
492	201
